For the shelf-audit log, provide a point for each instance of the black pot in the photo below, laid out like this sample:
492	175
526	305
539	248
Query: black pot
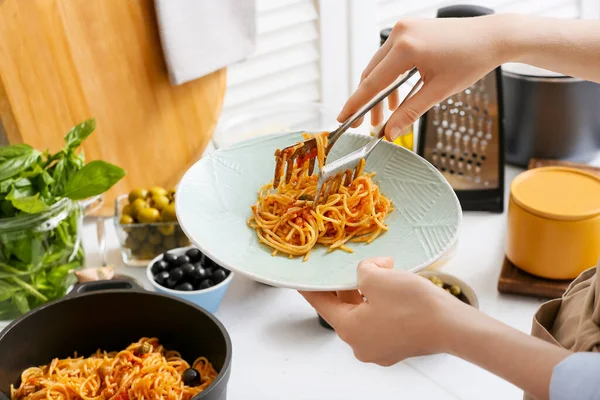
110	315
549	115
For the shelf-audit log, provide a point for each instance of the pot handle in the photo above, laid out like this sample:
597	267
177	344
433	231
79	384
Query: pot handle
463	11
114	284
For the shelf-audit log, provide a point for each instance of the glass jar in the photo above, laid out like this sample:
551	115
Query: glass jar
142	242
38	253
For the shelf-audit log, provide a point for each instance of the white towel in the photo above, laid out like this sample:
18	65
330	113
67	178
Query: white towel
201	36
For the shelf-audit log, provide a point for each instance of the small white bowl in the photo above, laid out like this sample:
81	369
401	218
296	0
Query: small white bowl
452	280
209	298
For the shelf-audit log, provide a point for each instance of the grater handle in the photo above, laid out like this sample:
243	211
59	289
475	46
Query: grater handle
463	11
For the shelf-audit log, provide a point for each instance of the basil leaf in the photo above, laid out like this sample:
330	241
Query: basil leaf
15	165
94	178
19	192
7	290
30	204
21	303
14	150
78	133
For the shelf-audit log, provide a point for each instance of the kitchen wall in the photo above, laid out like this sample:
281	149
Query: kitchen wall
315	50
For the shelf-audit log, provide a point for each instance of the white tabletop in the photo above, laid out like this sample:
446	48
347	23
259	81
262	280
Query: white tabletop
280	350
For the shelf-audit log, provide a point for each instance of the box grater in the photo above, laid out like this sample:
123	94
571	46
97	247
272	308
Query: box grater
462	136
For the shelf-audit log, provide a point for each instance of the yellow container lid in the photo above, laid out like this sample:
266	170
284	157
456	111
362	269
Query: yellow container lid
558	193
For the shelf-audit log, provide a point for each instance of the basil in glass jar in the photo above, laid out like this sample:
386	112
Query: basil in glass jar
38	253
41	218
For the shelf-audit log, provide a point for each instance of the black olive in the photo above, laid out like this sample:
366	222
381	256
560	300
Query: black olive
188	269
194	255
161	277
191	377
184	287
169	258
208	263
176	274
199	273
219	275
205	284
159	266
182	260
170	283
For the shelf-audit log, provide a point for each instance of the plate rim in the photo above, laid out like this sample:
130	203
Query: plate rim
301	287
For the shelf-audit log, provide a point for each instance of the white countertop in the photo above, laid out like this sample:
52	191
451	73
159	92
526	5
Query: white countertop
281	352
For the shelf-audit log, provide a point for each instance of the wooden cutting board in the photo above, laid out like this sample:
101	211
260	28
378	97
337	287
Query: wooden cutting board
515	281
63	61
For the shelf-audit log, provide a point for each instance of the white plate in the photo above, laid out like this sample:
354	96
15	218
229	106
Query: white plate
215	195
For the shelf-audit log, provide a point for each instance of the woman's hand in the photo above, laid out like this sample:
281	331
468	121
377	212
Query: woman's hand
405	315
450	53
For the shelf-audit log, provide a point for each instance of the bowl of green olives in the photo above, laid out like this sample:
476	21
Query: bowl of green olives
147	226
452	285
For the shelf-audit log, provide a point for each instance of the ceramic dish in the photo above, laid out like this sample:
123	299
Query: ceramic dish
209	298
466	290
215	195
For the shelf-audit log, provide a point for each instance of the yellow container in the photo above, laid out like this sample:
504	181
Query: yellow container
554	222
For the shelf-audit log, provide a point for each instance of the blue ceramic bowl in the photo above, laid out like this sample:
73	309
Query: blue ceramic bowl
209	299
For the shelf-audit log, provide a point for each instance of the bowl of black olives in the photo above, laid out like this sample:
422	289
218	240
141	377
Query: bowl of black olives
190	275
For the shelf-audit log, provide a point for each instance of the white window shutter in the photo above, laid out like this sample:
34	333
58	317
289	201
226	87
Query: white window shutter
286	63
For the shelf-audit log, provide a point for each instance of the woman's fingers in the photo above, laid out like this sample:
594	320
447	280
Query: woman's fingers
386	72
410	111
393	100
350	296
379	55
369	274
329	306
377	115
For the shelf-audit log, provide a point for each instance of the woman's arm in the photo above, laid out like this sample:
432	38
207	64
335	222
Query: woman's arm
523	360
567	46
405	315
453	53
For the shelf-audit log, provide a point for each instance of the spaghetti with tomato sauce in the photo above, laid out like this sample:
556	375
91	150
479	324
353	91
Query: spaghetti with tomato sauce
284	218
144	370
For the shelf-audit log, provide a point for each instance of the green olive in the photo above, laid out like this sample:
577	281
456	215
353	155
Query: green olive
140	233
126	210
455	290
146	252
137	194
168	213
158	191
131	243
159	201
169	242
167	230
137	206
126	220
183	241
144	348
148	215
155	238
171	195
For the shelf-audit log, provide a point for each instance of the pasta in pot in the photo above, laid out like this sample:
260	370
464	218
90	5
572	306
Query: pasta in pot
144	370
285	220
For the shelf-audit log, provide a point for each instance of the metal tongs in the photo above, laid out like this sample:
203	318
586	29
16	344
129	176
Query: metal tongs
306	150
347	168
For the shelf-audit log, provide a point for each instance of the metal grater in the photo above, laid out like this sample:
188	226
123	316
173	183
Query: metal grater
463	136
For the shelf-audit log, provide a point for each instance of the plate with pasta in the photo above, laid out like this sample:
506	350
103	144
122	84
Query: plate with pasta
396	204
